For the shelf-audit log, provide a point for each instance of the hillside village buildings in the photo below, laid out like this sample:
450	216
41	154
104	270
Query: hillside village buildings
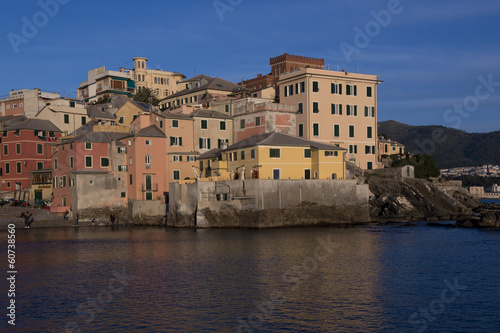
299	122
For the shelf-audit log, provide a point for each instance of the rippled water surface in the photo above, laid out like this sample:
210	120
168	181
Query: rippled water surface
364	279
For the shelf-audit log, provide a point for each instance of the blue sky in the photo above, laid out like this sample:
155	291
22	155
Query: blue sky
430	54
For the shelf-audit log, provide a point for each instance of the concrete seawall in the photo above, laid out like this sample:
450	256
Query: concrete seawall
267	203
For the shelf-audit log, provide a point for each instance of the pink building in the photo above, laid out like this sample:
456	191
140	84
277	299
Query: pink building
146	162
89	171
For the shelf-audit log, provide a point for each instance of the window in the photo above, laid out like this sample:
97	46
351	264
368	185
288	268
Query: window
104	162
369	133
351	131
368	91
84	120
276	173
175	123
220	142
177	158
274	153
147	159
130	160
331	153
242	155
123	194
8	184
369	111
337	109
191	159
88	145
18	167
66	118
130	179
369	165
352	110
285	91
18	148
257	121
307	153
336	130
221	196
5	150
39	165
204	124
351	90
71	162
353	149
39	148
55	163
315	86
222	125
161	123
7	168
302	87
300	108
88	161
242	123
316	129
176	141
290	89
226	108
204	143
252	153
336	89
177	175
301	130
233	156
147	142
315	107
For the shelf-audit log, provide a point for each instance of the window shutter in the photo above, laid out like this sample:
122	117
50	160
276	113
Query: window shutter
201	143
180	141
333	88
180	158
171	140
208	143
355	110
340	109
219	143
355	90
340	89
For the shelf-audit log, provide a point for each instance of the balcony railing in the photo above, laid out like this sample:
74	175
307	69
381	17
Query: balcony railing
149	187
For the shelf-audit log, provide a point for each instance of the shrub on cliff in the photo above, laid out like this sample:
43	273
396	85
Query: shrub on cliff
424	166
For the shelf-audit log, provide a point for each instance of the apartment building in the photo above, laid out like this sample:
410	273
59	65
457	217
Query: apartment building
88	172
67	115
335	108
26	147
26	102
102	82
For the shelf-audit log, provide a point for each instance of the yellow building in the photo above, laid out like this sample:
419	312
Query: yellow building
277	156
162	83
337	108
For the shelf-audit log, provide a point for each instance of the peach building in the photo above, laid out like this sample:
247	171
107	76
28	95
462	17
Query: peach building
335	108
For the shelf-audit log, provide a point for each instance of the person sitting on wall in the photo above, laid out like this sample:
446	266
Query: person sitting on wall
66	214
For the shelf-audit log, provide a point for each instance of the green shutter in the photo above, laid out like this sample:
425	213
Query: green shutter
171	140
355	90
340	89
333	108
333	87
355	110
340	109
201	143
180	158
180	141
208	143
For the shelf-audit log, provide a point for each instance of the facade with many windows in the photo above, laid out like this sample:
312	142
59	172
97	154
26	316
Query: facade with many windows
335	108
26	146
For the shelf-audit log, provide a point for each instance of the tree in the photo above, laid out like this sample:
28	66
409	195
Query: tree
146	95
101	100
424	166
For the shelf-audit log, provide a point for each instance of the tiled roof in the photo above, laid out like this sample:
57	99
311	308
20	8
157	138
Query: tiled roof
212	153
151	132
213	84
280	139
209	114
34	124
97	137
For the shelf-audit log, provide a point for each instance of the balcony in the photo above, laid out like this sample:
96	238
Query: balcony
149	187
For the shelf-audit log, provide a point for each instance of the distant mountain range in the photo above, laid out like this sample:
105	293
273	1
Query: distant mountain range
448	146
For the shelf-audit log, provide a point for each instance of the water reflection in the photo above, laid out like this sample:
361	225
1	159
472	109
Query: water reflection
368	279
